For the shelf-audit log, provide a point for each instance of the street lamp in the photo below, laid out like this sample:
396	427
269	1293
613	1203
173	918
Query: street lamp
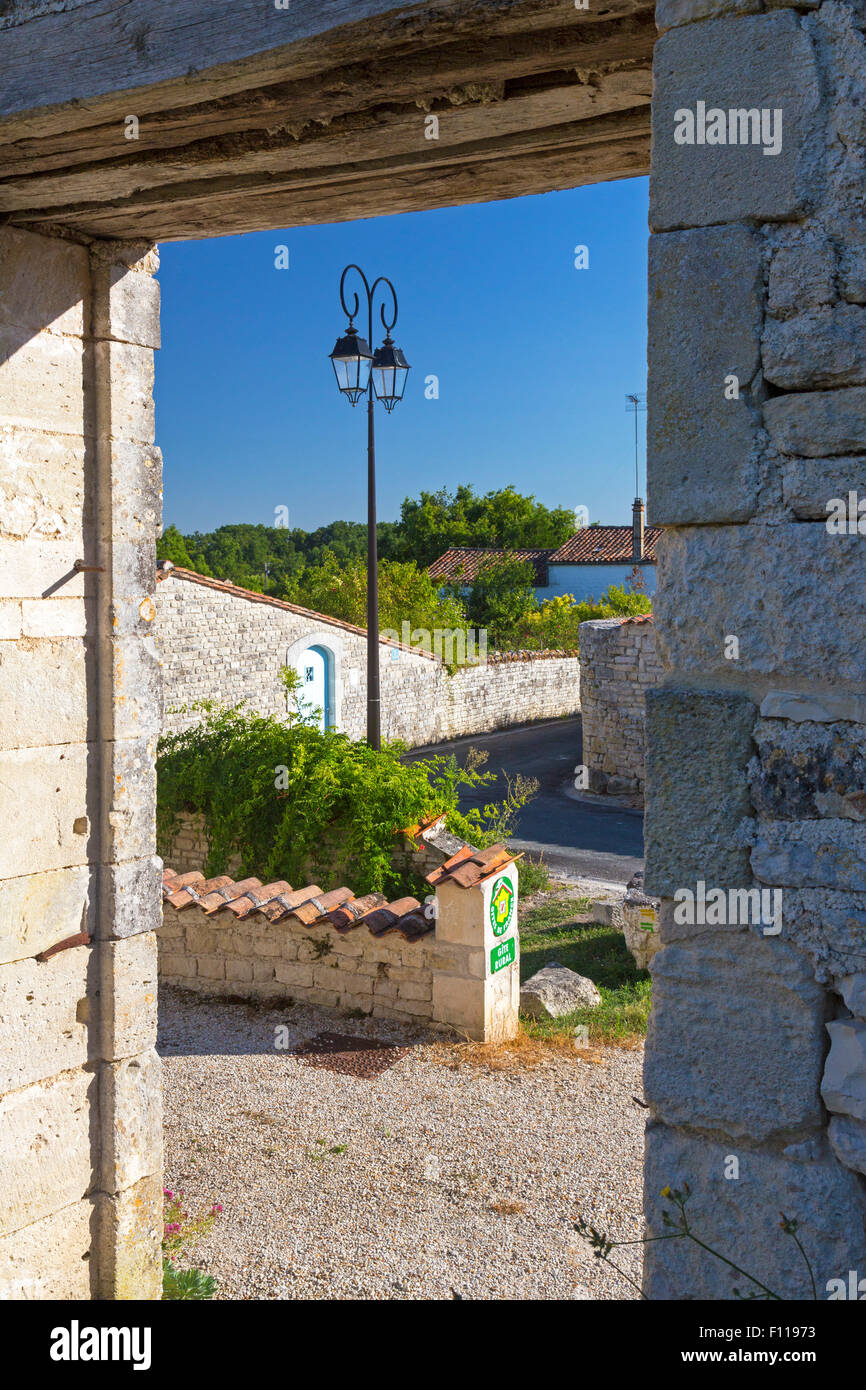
382	374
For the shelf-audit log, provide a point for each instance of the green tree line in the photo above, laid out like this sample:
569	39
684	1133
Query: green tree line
325	569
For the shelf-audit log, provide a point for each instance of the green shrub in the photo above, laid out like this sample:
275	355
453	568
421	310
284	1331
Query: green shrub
186	1283
294	802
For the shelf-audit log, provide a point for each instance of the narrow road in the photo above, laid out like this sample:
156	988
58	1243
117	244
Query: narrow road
579	839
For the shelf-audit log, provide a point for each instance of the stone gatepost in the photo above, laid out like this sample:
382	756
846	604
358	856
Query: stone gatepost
476	978
80	1093
756	762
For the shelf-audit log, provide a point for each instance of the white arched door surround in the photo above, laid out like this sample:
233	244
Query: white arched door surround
317	658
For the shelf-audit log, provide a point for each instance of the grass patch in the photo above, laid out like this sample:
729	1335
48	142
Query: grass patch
549	933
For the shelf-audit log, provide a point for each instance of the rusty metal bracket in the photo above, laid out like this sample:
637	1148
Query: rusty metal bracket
81	938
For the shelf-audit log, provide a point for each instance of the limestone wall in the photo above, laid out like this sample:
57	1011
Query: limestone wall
80	1136
424	964
618	666
220	643
756	1061
413	854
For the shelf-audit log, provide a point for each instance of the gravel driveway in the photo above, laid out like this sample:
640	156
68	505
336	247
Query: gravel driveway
407	1210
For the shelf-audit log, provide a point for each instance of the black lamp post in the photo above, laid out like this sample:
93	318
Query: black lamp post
360	372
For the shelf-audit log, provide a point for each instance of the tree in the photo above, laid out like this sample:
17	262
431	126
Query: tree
406	595
503	519
500	597
172	546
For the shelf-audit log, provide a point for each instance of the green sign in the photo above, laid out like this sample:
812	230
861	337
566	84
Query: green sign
502	955
501	906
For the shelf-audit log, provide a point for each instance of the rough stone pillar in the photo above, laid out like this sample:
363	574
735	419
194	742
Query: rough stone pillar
476	976
756	766
80	1136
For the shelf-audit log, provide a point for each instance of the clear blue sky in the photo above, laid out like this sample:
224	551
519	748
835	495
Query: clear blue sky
534	358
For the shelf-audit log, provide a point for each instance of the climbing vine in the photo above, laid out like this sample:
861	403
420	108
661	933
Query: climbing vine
293	802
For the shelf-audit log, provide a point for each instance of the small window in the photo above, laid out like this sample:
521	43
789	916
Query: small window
309	674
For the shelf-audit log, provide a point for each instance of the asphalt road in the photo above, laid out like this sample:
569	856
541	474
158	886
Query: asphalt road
579	839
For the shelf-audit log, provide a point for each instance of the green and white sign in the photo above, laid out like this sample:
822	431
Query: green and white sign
501	906
502	955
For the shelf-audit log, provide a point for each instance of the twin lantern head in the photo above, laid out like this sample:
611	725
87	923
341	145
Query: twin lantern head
354	362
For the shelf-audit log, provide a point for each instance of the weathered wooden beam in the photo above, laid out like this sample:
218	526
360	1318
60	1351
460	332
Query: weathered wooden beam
343	143
82	66
616	146
423	77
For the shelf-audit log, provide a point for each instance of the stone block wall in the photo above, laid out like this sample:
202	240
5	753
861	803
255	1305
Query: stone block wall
415	854
225	644
427	965
618	666
756	1059
80	1131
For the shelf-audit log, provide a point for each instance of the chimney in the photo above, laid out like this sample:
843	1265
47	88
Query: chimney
637	529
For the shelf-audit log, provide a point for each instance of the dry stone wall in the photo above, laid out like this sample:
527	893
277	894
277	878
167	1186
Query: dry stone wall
756	785
220	643
80	1092
618	666
451	964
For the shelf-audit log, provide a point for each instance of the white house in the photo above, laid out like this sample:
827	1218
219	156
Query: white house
585	565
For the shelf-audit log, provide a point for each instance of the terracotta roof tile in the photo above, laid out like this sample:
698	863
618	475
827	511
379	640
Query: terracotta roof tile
314	909
256	895
387	918
474	867
283	903
444	869
604	545
467	562
350	913
278	901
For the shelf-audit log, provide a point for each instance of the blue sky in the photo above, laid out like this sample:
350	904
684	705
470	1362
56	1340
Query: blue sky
533	356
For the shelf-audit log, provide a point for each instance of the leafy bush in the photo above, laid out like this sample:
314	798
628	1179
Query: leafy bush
406	595
294	802
554	623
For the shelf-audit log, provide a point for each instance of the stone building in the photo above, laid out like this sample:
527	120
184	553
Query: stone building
584	566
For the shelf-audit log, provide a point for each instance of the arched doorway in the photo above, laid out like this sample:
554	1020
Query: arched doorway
316	658
313	669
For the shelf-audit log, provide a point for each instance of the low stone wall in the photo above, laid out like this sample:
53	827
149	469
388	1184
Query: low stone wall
417	851
451	964
619	665
221	643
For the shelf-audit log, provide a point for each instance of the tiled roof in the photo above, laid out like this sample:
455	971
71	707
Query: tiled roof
604	545
224	587
469	867
466	563
279	902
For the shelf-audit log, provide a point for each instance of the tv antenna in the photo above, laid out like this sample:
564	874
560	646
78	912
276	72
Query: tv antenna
637	404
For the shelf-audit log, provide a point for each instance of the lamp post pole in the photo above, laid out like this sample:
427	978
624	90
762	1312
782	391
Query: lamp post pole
380	375
374	710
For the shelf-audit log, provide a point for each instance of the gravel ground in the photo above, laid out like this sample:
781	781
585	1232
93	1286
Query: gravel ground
407	1210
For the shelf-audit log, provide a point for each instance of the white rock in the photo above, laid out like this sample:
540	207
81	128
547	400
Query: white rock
848	1141
555	991
844	1085
853	991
